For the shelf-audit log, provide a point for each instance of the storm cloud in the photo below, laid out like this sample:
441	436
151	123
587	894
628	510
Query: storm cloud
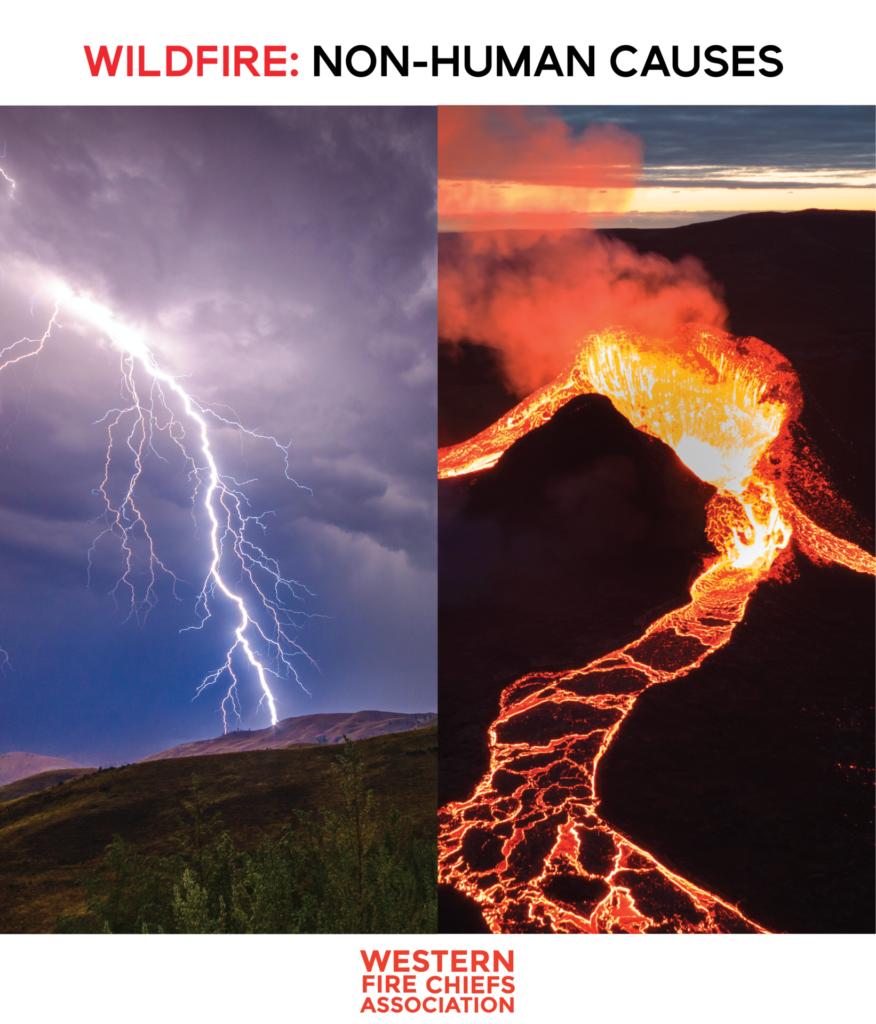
284	261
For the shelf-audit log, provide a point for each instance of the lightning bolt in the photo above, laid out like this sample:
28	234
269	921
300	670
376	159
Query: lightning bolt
3	173
225	505
155	401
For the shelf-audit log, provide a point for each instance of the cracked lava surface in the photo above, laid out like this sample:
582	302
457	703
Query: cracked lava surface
529	845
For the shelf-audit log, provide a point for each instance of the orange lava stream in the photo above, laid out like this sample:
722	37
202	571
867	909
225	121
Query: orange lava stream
529	845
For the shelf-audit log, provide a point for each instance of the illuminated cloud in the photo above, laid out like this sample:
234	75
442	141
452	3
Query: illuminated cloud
284	261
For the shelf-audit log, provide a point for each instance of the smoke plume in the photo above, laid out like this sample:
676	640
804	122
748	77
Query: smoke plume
534	287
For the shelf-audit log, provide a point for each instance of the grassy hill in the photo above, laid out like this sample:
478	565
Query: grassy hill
49	840
45	780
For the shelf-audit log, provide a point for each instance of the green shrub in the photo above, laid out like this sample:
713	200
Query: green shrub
344	872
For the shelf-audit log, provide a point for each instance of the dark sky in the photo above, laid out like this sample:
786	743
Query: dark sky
709	162
685	146
285	261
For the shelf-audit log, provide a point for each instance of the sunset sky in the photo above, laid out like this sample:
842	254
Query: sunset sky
697	163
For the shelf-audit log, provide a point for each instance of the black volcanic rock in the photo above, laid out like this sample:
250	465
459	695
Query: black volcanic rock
753	776
584	532
802	282
458	913
472	392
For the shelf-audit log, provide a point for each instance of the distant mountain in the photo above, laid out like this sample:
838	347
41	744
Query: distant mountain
304	730
37	783
19	765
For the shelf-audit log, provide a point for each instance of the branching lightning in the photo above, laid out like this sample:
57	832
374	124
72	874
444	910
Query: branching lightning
5	176
154	402
224	502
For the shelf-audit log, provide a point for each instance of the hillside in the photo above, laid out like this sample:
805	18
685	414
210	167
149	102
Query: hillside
306	729
49	840
18	764
43	780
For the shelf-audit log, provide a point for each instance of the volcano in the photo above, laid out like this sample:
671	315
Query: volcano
711	558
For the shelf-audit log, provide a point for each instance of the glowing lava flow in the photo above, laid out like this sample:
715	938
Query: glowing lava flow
529	845
264	619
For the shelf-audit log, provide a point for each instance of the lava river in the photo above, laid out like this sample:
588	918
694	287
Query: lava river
529	845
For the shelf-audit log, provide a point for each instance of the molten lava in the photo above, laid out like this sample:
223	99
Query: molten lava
529	845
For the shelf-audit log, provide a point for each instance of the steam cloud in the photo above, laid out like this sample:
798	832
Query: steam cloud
532	294
533	146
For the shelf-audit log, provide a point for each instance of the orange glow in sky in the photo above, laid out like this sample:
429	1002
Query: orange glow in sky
476	204
515	168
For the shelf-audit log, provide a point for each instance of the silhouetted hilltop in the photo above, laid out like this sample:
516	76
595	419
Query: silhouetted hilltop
303	730
18	764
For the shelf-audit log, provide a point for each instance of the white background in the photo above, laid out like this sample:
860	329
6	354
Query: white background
828	60
133	979
827	54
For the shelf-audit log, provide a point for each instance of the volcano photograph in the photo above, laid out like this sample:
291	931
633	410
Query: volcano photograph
656	478
217	518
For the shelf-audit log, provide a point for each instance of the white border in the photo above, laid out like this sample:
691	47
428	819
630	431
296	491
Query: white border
828	60
827	54
229	979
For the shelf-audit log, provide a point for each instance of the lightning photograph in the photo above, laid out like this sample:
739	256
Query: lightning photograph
217	522
656	519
